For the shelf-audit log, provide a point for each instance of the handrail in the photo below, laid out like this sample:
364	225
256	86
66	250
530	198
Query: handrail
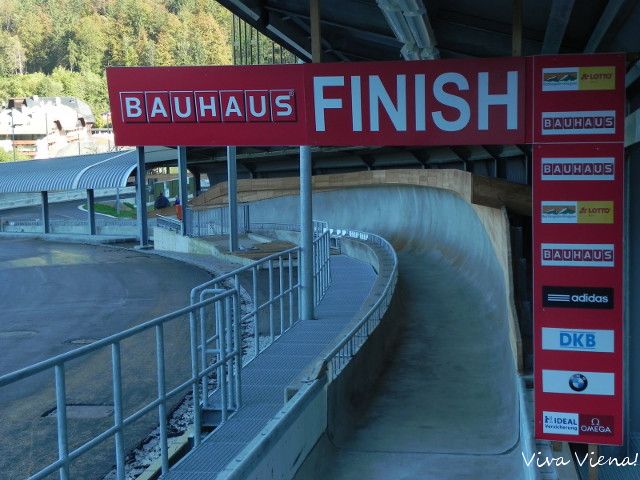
389	287
80	351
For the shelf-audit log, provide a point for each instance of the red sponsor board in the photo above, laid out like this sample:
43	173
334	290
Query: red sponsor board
257	105
578	296
578	98
376	103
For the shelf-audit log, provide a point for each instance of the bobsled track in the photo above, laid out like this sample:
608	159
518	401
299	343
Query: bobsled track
446	406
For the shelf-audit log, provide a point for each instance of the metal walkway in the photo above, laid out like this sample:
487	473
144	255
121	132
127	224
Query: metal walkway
265	378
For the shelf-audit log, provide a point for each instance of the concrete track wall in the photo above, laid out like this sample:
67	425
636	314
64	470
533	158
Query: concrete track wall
449	391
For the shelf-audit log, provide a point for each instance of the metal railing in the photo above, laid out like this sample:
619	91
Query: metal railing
225	304
215	221
346	349
222	337
271	287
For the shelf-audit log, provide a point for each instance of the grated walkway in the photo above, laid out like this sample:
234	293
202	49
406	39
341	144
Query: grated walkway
266	377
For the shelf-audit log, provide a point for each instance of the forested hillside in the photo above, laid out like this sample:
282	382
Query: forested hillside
61	47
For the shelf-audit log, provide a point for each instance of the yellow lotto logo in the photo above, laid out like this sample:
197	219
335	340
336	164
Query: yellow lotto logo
597	78
595	212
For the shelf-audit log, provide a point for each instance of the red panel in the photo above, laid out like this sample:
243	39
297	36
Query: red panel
576	297
578	98
378	103
222	88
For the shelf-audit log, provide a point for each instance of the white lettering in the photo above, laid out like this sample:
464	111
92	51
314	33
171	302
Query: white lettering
321	103
283	101
158	108
450	100
133	107
263	106
510	99
207	106
379	95
176	107
420	103
233	108
356	104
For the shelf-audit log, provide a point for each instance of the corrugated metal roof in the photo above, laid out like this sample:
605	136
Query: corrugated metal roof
102	170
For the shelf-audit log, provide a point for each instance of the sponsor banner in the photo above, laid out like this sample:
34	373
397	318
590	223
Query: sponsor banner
577	169
564	423
567	79
579	123
578	383
577	255
577	297
577	110
568	339
441	102
560	423
578	98
577	212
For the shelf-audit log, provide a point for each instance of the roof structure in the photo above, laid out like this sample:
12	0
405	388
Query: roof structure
103	170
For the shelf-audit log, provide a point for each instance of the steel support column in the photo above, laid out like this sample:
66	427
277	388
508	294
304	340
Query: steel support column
183	192
46	228
91	210
141	198
232	194
306	236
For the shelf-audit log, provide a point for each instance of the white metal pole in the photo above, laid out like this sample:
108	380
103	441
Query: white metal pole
306	235
232	192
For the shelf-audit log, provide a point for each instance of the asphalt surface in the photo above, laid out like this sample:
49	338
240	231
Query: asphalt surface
56	297
57	211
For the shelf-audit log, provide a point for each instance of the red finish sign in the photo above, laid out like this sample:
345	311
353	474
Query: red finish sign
578	256
443	102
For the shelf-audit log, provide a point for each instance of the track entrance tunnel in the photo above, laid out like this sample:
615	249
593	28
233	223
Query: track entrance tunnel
446	405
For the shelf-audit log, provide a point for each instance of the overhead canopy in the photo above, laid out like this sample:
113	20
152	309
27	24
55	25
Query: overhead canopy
102	170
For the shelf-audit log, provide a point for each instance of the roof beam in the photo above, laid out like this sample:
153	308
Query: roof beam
606	19
632	75
251	11
557	25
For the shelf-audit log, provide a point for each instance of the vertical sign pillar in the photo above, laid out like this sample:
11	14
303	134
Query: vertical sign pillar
306	235
46	228
232	193
141	198
91	210
578	212
182	182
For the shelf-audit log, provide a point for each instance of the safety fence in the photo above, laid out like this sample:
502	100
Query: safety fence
162	332
200	348
215	221
346	349
104	226
272	287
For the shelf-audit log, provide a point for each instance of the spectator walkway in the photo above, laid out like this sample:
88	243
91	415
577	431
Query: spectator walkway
265	378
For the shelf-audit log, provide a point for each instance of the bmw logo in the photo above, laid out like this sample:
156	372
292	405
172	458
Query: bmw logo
578	382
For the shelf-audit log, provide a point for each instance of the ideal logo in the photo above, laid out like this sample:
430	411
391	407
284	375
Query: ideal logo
578	383
577	212
571	79
565	423
567	339
578	169
579	123
577	255
560	423
577	297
